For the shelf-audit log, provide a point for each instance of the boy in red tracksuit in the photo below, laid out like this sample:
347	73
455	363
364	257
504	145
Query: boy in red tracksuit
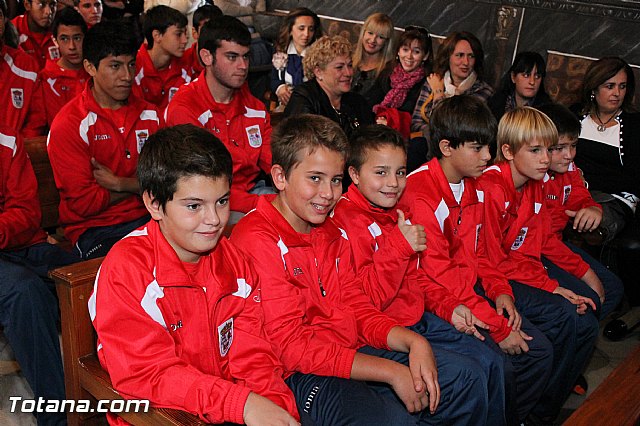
160	70
63	79
220	101
34	30
176	308
567	198
20	93
442	196
385	250
516	233
316	313
94	145
201	16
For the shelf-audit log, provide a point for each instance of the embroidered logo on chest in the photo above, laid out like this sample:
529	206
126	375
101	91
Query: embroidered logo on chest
225	336
522	235
253	136
172	91
567	192
54	53
141	138
17	97
297	271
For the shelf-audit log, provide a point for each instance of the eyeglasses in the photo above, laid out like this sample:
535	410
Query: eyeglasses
421	30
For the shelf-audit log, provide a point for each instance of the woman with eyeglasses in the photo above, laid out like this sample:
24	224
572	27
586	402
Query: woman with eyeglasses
329	70
522	85
397	89
301	27
457	70
373	53
609	148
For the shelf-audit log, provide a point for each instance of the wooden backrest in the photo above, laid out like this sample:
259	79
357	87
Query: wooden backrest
84	378
47	191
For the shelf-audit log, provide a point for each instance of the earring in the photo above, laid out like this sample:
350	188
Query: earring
320	78
593	97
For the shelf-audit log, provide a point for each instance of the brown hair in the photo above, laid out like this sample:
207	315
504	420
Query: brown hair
601	71
284	36
441	65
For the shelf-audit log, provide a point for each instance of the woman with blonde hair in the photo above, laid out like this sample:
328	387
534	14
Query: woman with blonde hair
373	52
329	70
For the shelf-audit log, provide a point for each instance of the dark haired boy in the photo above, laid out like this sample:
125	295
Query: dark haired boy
443	196
316	313
201	16
568	199
64	78
177	308
160	70
95	141
220	101
386	246
28	305
514	235
20	92
34	30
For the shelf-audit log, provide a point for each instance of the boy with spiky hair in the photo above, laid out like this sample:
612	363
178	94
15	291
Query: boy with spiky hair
95	141
515	229
443	196
160	70
568	199
64	78
323	326
176	307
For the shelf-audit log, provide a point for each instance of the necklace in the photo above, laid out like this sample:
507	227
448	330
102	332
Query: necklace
603	125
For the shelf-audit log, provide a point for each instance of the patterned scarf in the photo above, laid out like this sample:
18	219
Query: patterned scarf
401	83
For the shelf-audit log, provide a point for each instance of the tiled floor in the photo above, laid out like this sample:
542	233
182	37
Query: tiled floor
605	358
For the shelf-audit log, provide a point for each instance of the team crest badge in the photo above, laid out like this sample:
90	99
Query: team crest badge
141	137
254	136
17	97
54	53
567	192
522	235
172	91
225	336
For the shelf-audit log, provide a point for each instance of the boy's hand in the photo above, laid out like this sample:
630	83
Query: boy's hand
585	220
515	343
259	410
422	365
592	280
580	301
402	383
465	322
414	234
504	302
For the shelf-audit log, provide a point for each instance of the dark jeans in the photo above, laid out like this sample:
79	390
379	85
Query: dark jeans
29	314
96	242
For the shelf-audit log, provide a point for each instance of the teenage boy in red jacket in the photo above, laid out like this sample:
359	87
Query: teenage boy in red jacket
201	16
443	196
63	79
34	30
94	145
516	231
160	70
321	323
176	308
220	101
28	305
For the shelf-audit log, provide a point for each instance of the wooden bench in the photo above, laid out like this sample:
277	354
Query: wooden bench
47	191
84	377
616	401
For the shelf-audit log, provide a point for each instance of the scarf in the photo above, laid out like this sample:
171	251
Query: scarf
451	90
294	68
401	83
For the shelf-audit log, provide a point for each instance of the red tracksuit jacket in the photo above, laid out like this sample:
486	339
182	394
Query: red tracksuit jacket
19	206
82	130
567	191
517	228
382	257
158	87
449	265
59	86
185	336
243	125
39	46
316	313
191	57
20	94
